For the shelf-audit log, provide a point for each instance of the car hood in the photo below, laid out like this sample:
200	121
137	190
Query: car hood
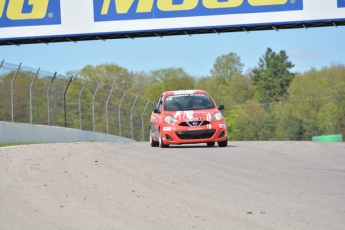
193	115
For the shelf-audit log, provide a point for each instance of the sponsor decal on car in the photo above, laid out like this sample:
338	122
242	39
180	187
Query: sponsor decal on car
341	3
111	10
154	119
189	115
193	119
187	92
166	128
29	12
222	126
209	117
195	128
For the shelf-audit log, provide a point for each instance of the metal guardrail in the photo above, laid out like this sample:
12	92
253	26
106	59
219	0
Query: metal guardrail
35	96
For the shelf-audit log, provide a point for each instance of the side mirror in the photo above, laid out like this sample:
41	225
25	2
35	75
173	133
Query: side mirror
155	110
221	107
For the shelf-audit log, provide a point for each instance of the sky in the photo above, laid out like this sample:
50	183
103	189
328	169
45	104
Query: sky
196	54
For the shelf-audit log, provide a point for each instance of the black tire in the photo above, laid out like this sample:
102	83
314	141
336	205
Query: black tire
223	143
161	144
210	144
152	142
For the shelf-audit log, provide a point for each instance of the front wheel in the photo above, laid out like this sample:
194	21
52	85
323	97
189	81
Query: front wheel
153	142
161	143
223	143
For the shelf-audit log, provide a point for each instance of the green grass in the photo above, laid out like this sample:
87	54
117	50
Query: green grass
14	144
28	143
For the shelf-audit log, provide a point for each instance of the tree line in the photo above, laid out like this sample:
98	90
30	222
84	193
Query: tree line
269	102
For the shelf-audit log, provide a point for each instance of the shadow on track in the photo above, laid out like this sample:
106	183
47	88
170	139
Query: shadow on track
200	146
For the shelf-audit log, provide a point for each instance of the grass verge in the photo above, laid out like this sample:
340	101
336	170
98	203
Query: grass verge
14	144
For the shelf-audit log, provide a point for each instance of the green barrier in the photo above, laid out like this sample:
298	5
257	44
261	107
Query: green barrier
329	138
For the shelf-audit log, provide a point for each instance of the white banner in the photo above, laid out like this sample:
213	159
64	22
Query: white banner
25	19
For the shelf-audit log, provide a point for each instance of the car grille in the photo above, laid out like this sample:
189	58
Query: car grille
195	134
194	123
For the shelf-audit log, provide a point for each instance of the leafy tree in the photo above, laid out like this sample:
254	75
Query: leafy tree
239	125
313	103
226	67
39	99
272	76
219	92
5	96
161	80
21	96
307	92
108	76
267	125
232	93
249	121
318	100
239	89
111	74
329	118
207	83
231	116
289	128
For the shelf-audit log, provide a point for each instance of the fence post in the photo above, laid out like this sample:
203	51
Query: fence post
31	94
106	108
80	103
132	115
64	100
120	112
142	120
12	96
93	108
48	97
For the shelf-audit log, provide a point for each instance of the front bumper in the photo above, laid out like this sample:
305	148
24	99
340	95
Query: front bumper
174	134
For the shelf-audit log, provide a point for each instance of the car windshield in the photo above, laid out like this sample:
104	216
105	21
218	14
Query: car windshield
179	102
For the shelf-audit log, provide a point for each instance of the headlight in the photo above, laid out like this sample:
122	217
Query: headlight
217	116
169	120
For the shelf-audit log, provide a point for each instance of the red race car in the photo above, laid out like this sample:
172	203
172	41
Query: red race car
187	117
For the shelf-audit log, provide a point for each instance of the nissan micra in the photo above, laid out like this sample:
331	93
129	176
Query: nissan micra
187	117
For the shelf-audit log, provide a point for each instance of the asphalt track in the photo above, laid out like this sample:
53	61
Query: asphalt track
247	185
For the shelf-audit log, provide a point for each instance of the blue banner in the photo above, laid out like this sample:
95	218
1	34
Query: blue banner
112	10
341	3
29	13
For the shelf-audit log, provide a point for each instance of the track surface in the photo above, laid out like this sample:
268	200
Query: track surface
247	185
